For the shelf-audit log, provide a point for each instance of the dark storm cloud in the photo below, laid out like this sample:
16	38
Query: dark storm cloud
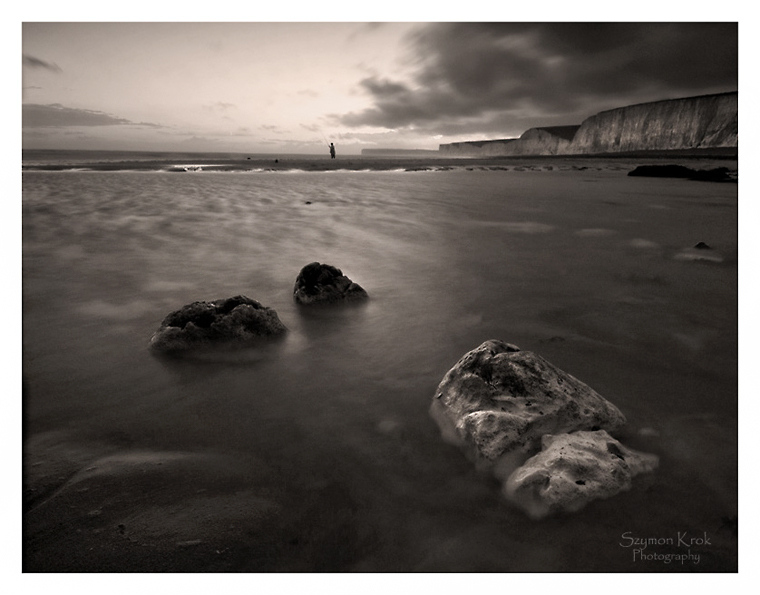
487	74
55	115
32	62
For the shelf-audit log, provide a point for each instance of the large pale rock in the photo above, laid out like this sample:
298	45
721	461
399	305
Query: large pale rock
572	470
499	401
323	283
236	319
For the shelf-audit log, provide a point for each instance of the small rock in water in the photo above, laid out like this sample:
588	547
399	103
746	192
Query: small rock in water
232	320
323	283
702	246
572	470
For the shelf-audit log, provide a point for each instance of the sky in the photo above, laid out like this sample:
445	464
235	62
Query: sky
292	87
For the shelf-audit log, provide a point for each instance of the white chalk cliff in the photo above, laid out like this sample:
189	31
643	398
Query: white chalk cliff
703	122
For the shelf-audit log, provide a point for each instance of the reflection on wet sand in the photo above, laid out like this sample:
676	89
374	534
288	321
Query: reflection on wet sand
317	452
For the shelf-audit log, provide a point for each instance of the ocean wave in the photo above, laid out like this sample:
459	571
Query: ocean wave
212	168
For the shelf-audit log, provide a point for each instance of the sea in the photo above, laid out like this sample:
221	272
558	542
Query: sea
317	452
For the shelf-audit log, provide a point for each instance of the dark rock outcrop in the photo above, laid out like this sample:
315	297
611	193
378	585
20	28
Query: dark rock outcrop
232	320
325	284
718	174
498	402
574	469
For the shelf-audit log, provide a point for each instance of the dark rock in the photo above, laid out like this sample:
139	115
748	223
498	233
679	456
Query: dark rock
702	246
323	283
498	402
719	174
662	171
237	319
574	469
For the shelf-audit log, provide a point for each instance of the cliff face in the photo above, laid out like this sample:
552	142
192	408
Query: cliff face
709	121
553	140
484	148
696	122
536	141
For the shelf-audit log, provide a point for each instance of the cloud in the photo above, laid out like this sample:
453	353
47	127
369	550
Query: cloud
363	29
55	115
311	127
219	106
32	62
498	76
270	128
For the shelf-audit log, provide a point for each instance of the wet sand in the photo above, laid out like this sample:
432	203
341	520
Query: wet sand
317	454
702	159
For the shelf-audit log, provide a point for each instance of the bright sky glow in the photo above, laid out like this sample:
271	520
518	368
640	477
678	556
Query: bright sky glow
255	87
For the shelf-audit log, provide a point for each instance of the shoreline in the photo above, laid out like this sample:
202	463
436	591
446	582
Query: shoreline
225	163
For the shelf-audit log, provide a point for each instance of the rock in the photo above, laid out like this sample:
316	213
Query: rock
237	319
572	470
702	246
323	283
498	402
719	174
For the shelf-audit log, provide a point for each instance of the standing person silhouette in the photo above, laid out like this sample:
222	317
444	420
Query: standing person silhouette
332	151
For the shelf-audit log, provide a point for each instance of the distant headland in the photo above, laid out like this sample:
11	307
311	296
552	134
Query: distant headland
705	122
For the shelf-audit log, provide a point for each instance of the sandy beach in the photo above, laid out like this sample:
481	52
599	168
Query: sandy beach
317	453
